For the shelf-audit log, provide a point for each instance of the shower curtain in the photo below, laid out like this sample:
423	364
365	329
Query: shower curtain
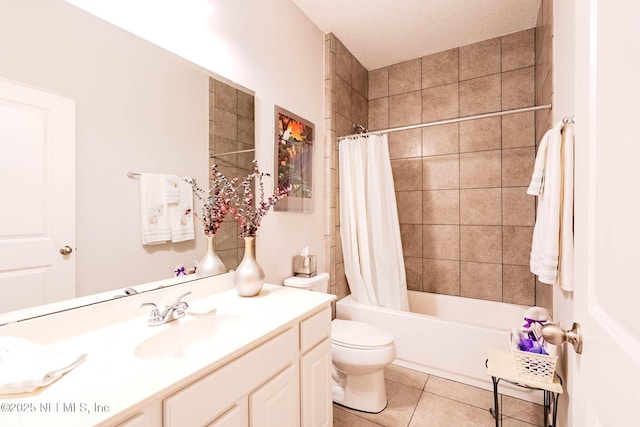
369	226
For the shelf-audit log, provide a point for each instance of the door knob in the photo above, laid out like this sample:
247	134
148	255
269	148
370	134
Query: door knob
66	250
554	334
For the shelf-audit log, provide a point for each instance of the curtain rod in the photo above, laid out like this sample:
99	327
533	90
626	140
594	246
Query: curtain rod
456	120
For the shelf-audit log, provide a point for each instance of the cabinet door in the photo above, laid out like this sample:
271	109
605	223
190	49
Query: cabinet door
238	416
315	386
277	403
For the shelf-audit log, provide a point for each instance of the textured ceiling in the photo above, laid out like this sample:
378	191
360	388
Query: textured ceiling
384	32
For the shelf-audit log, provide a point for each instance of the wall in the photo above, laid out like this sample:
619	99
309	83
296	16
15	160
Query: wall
137	109
280	59
465	218
346	88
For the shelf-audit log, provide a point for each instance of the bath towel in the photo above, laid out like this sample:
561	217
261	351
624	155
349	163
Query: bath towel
154	213
552	183
26	366
181	213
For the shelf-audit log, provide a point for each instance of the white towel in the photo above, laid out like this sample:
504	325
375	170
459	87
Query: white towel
552	182
26	366
181	213
171	188
154	212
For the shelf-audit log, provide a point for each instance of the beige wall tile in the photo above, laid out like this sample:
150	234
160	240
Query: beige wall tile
440	103
246	105
212	106
441	242
518	88
378	113
226	97
411	237
409	207
481	169
518	50
343	97
517	166
405	77
343	62
480	135
481	95
407	174
405	143
518	130
440	172
481	280
442	139
440	68
379	83
441	207
227	236
480	59
246	130
359	109
518	207
359	78
344	125
226	124
404	109
342	286
518	285
481	206
544	296
517	244
413	272
481	243
441	276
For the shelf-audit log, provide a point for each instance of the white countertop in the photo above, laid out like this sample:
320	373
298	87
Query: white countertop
115	379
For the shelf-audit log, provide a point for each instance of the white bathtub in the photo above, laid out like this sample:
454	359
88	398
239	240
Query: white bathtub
446	336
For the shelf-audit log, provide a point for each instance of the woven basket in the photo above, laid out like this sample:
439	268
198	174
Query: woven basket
533	366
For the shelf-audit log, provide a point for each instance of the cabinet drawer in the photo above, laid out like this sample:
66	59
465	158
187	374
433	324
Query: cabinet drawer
207	398
315	329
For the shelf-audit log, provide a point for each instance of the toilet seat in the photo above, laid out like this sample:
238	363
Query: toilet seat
359	335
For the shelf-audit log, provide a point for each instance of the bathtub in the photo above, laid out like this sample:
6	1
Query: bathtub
446	336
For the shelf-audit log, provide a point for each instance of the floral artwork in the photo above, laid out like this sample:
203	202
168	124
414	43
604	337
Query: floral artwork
294	160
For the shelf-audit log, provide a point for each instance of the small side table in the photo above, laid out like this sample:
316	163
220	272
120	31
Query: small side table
500	366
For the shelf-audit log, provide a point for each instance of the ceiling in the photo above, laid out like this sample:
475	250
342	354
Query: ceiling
384	32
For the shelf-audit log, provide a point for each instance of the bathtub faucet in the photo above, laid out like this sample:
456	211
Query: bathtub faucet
170	312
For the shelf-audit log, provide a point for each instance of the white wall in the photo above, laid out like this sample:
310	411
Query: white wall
138	109
269	47
564	106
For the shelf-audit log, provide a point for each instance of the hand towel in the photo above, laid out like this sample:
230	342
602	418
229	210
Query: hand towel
181	213
26	366
552	182
171	188
154	213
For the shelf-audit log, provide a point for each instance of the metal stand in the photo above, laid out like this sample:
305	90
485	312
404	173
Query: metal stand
500	367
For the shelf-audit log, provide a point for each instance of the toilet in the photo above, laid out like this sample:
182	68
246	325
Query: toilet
359	353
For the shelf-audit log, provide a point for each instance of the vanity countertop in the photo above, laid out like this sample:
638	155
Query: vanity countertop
130	364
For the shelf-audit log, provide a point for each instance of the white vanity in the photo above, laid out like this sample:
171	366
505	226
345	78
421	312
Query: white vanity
260	361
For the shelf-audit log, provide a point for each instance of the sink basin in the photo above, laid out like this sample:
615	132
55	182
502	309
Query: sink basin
183	336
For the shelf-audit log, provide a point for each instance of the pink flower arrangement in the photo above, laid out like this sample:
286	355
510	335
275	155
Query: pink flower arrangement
216	201
249	212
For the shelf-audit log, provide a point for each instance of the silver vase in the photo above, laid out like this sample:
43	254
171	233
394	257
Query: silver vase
249	276
210	264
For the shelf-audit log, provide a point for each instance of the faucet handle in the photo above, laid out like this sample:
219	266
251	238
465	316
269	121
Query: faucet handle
182	296
149	304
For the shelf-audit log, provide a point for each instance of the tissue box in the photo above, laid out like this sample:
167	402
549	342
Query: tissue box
304	266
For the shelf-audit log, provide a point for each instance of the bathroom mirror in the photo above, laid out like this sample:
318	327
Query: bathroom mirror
138	108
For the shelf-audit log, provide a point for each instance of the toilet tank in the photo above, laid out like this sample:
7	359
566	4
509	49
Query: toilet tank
318	283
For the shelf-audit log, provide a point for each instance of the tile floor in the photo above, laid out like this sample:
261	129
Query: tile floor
417	399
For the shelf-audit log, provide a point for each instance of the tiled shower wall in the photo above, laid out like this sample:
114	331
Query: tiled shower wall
231	128
465	218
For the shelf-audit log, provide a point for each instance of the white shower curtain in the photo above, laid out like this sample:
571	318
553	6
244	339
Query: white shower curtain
369	226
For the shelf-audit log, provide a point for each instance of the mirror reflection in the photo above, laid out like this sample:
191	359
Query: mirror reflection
135	108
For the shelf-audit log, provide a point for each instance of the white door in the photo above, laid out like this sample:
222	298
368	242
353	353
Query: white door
37	196
604	384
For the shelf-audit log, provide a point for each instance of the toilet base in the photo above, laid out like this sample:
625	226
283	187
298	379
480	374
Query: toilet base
366	393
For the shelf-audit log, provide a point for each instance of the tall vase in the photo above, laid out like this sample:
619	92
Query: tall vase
210	264
249	276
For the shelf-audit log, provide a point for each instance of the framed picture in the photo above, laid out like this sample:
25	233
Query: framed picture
294	160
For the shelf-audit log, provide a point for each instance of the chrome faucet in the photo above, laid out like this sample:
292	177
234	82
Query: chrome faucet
170	312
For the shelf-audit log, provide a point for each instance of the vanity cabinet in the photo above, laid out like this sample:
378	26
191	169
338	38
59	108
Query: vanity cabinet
284	382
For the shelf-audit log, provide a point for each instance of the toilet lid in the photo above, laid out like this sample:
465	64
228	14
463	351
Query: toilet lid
352	334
